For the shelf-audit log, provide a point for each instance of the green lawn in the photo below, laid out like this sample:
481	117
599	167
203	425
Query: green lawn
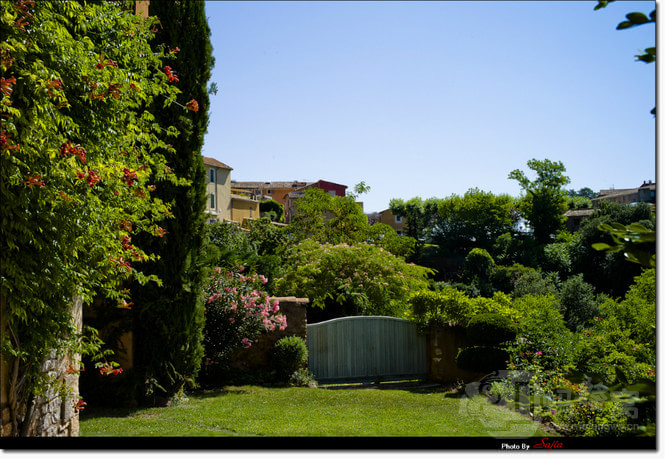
282	412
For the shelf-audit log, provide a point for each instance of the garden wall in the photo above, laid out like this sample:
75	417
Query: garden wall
52	416
258	356
445	341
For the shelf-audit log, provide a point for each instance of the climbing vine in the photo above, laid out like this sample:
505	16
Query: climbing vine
80	156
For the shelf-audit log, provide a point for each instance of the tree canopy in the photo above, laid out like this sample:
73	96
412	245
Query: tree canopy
545	201
474	220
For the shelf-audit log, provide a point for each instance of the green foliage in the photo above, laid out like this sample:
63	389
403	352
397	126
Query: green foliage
447	305
340	220
476	219
608	272
586	418
578	202
586	193
482	359
478	269
257	249
289	355
81	156
370	279
173	313
578	301
542	329
325	218
635	241
418	214
545	201
499	303
557	255
534	282
490	329
504	277
273	207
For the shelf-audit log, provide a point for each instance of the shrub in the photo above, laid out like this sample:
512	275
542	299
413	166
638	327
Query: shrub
593	419
482	359
542	330
478	266
447	305
578	302
536	283
289	355
302	377
500	303
491	329
237	311
504	277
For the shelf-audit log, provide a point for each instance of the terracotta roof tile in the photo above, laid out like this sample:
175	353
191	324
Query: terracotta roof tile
214	162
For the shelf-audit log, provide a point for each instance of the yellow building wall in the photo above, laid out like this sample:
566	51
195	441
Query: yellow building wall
388	218
242	208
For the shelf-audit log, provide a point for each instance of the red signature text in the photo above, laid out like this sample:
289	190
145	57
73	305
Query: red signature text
548	445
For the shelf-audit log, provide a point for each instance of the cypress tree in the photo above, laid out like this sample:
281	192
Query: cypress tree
168	319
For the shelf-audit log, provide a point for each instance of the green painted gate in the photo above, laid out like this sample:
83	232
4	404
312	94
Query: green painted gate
366	348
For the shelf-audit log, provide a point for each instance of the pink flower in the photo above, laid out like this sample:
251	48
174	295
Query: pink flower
246	342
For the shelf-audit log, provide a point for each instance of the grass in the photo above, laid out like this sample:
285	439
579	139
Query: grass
300	411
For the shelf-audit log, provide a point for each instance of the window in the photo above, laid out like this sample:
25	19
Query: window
332	193
398	219
251	212
212	175
212	220
212	200
269	191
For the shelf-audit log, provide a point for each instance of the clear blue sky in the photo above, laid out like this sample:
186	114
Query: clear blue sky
431	98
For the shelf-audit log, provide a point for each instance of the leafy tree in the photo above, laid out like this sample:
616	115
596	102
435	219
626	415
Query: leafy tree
326	218
608	272
340	220
359	279
579	304
258	250
418	214
173	313
478	269
534	282
275	209
80	157
545	201
585	192
476	219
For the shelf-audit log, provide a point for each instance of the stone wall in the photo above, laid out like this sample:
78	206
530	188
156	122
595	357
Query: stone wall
52	415
444	343
258	355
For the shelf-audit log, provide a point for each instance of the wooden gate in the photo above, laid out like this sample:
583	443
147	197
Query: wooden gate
366	349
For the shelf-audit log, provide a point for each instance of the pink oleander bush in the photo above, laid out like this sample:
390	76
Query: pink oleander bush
237	311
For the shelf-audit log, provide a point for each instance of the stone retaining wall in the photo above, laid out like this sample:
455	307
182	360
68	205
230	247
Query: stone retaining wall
51	415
